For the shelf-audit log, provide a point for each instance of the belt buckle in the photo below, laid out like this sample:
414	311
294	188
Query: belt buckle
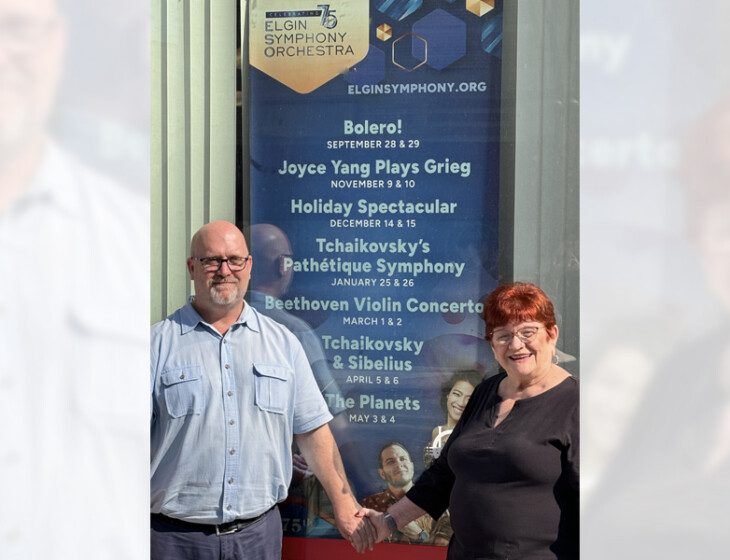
232	529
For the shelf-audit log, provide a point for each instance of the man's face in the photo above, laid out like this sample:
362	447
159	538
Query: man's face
221	287
396	467
31	49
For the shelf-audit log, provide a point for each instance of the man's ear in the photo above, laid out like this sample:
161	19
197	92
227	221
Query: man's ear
190	267
381	473
282	265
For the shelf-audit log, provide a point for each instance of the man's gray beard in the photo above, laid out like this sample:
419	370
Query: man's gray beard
219	299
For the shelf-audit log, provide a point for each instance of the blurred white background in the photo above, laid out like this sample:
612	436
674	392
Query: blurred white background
74	263
655	279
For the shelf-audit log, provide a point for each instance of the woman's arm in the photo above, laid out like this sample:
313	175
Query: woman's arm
404	511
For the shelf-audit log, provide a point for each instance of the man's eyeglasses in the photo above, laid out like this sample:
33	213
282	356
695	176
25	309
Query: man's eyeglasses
214	264
526	334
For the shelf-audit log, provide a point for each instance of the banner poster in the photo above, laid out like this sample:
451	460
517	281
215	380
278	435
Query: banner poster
374	155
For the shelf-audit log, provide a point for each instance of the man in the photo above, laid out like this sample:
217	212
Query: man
396	469
230	387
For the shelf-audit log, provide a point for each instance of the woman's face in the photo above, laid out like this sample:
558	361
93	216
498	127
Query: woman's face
457	398
525	349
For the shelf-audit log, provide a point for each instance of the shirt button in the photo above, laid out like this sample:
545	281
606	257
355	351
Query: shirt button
228	507
225	342
232	451
230	481
182	376
227	366
231	422
230	393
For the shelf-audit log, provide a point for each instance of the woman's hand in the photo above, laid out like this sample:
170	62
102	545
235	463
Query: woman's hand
377	520
357	529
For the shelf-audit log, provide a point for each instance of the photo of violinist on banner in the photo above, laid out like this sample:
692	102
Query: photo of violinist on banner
455	393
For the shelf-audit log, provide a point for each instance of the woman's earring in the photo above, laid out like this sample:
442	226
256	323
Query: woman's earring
555	358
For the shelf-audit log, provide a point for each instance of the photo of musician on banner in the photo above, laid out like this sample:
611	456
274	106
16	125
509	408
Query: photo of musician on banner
395	468
455	393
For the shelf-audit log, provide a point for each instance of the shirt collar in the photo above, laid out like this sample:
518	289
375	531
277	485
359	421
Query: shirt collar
190	318
250	317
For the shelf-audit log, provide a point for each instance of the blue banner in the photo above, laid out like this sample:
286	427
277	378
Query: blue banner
374	211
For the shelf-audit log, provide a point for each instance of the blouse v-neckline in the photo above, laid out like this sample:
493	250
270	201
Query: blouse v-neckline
494	414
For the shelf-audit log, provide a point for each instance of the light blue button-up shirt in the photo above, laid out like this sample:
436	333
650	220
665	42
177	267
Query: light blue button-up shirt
224	411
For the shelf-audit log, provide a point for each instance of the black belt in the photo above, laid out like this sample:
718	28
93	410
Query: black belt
222	529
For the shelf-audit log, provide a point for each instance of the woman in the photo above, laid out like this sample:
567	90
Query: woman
509	471
455	393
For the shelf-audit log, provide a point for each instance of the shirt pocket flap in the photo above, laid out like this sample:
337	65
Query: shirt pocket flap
268	370
273	387
183	390
174	376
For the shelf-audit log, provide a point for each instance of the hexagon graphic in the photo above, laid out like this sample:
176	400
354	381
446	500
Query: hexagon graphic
308	60
479	7
446	37
398	9
384	32
370	70
409	51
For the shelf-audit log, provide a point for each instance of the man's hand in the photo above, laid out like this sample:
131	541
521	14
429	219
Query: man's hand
375	518
321	454
357	529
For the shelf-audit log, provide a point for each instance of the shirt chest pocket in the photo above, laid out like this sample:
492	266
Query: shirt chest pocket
273	387
183	390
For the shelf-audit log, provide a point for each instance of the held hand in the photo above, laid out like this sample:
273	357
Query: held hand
377	521
358	530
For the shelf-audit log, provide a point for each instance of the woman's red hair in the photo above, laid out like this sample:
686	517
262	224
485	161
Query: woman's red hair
517	302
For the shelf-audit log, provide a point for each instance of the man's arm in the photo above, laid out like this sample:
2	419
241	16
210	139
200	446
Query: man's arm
321	453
